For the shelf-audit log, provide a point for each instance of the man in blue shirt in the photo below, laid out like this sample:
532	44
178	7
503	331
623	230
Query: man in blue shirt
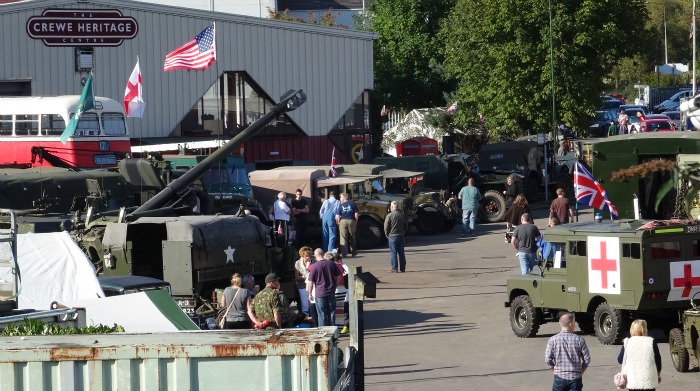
470	197
567	356
347	216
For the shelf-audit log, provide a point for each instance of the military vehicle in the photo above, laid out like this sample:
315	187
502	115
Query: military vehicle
158	239
316	185
685	342
448	174
435	211
226	185
605	156
608	273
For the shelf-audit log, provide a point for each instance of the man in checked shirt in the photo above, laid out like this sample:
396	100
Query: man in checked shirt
567	356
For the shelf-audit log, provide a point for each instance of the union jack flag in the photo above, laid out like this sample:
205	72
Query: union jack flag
590	192
333	173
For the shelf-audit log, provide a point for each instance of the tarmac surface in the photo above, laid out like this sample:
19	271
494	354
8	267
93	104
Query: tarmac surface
443	324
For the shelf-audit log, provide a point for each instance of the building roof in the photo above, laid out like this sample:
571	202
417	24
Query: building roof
293	5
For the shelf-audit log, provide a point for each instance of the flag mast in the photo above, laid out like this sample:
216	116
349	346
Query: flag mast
694	51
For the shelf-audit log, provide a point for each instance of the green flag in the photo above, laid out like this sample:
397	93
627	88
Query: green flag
86	102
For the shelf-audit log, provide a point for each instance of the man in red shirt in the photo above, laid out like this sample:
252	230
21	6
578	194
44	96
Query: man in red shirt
561	208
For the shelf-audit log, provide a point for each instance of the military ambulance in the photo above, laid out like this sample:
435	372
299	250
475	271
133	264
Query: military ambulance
609	273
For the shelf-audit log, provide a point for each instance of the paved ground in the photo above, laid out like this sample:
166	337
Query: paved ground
442	324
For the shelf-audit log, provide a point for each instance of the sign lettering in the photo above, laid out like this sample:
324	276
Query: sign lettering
77	27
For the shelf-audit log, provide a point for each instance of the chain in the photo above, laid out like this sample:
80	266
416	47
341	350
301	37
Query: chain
680	211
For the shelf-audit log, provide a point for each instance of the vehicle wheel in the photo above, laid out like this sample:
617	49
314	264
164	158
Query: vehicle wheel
609	324
429	223
369	234
679	354
531	189
586	326
524	318
494	207
449	224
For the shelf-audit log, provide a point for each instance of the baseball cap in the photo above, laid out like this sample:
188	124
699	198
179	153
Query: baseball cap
271	277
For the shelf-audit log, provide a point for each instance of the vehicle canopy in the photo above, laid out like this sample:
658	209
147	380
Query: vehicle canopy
207	233
511	156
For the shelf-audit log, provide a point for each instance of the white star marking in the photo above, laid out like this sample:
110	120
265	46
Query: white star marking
229	254
360	154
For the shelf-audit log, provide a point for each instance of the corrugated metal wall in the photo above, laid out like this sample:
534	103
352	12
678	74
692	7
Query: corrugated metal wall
334	66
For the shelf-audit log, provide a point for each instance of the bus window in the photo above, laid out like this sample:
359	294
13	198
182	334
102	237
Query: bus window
5	125
665	250
88	125
631	250
26	125
113	124
52	125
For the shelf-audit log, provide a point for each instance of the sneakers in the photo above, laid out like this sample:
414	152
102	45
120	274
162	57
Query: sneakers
345	330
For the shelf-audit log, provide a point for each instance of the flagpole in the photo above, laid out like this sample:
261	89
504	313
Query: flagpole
694	51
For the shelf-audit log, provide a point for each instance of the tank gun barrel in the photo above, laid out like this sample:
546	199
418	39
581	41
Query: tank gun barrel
290	101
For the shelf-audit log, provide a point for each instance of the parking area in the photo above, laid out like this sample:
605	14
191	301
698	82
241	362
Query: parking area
443	323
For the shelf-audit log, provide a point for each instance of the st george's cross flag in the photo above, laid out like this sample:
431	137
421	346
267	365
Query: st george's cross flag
590	192
133	95
197	53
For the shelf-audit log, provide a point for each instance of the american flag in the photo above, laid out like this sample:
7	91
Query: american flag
452	107
198	53
590	192
332	171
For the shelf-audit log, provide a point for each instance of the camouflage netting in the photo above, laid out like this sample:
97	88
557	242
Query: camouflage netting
414	125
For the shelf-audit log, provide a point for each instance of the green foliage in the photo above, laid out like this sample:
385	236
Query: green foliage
500	53
327	18
39	327
409	53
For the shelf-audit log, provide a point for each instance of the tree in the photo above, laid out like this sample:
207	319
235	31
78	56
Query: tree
500	53
408	52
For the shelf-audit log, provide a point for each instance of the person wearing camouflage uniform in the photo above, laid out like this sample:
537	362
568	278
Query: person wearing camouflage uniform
267	305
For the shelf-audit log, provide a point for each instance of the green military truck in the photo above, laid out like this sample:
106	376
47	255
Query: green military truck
316	185
684	342
609	273
606	156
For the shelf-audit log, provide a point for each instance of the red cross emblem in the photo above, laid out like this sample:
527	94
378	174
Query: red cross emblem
687	281
604	265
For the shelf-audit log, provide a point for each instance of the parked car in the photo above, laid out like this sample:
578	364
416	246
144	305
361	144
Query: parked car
658	125
634	109
122	285
601	122
675	117
672	103
611	104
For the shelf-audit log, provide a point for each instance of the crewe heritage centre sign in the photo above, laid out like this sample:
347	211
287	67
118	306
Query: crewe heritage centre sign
78	27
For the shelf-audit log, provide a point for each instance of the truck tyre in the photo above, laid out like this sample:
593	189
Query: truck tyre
524	318
429	223
369	234
494	207
679	354
609	324
449	224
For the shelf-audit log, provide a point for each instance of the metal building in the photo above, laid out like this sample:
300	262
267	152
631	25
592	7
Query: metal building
47	52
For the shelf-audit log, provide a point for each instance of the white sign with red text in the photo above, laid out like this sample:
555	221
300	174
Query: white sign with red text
685	280
604	265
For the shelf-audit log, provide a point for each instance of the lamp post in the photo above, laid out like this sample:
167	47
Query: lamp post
551	63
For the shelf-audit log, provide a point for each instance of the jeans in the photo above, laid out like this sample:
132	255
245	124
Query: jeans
330	232
527	261
468	217
303	301
325	307
567	385
398	258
